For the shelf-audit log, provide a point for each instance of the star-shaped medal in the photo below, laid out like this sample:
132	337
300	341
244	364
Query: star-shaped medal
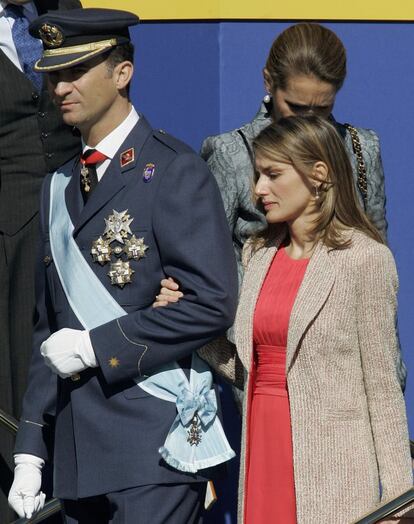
101	251
135	248
117	226
120	273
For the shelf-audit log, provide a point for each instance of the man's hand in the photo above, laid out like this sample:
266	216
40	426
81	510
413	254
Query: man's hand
169	293
25	497
68	351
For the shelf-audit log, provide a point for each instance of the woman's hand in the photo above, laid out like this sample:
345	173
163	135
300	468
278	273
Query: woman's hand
169	292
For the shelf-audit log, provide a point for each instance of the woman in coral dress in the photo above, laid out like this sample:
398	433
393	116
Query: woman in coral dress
324	421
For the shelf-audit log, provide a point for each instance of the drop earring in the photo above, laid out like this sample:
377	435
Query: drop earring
317	194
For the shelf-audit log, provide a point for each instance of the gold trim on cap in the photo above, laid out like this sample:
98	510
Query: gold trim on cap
63	65
82	48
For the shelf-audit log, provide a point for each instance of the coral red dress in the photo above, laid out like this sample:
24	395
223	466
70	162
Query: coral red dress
269	488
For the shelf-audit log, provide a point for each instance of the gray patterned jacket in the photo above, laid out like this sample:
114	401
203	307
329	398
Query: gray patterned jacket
229	161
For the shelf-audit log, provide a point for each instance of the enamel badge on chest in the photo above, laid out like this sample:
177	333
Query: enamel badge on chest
116	244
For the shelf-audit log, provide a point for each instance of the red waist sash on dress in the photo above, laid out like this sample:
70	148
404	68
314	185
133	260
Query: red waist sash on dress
270	371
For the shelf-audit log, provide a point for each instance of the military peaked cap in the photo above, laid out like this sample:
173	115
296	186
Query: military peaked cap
76	35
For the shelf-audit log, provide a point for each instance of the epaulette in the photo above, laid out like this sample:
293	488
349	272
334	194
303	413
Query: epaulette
171	142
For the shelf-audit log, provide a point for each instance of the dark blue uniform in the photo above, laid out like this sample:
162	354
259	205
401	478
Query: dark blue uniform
107	430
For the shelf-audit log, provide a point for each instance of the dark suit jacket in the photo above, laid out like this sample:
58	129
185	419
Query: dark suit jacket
108	430
33	138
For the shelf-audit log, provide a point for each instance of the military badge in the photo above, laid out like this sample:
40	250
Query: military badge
101	251
113	362
118	246
135	248
148	173
194	433
86	183
51	35
120	273
117	226
127	157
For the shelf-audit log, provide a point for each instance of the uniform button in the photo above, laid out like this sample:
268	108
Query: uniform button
41	114
49	155
44	134
35	96
75	377
47	260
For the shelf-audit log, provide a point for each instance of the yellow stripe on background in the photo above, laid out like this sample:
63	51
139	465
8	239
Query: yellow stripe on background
264	9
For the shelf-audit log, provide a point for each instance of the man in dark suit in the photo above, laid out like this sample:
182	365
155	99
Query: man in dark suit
136	433
33	141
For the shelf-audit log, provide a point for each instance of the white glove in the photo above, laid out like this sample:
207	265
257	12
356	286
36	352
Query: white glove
25	496
68	351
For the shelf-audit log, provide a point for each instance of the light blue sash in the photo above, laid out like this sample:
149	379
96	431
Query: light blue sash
93	305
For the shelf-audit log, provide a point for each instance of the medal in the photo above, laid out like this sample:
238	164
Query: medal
135	248
117	226
120	273
124	245
101	251
194	433
85	178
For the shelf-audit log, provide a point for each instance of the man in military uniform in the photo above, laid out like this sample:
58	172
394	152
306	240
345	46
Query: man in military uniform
133	417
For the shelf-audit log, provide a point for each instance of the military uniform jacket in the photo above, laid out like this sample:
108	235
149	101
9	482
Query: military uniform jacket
107	429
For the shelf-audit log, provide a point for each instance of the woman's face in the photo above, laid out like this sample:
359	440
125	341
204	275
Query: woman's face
286	195
303	95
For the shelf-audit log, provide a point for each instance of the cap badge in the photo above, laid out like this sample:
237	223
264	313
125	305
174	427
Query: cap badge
51	35
148	173
127	157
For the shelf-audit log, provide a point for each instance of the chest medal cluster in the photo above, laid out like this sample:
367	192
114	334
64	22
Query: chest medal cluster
117	246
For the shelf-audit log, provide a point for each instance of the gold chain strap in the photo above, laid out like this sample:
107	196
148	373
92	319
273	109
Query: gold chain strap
362	170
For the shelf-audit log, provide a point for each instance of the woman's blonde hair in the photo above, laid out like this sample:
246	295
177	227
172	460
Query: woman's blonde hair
307	49
302	141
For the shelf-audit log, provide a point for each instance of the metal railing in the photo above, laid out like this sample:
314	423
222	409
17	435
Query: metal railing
8	422
388	509
50	508
53	506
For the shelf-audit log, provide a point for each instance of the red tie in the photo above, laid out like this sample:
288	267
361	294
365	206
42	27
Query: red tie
89	178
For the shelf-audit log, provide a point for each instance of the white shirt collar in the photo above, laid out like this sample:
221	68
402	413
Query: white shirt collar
112	142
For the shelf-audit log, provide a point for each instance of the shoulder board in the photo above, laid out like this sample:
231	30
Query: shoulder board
170	141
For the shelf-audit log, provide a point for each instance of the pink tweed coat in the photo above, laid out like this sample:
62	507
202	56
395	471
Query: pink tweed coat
348	417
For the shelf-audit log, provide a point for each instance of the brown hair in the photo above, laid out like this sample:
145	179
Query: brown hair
302	141
118	54
307	49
